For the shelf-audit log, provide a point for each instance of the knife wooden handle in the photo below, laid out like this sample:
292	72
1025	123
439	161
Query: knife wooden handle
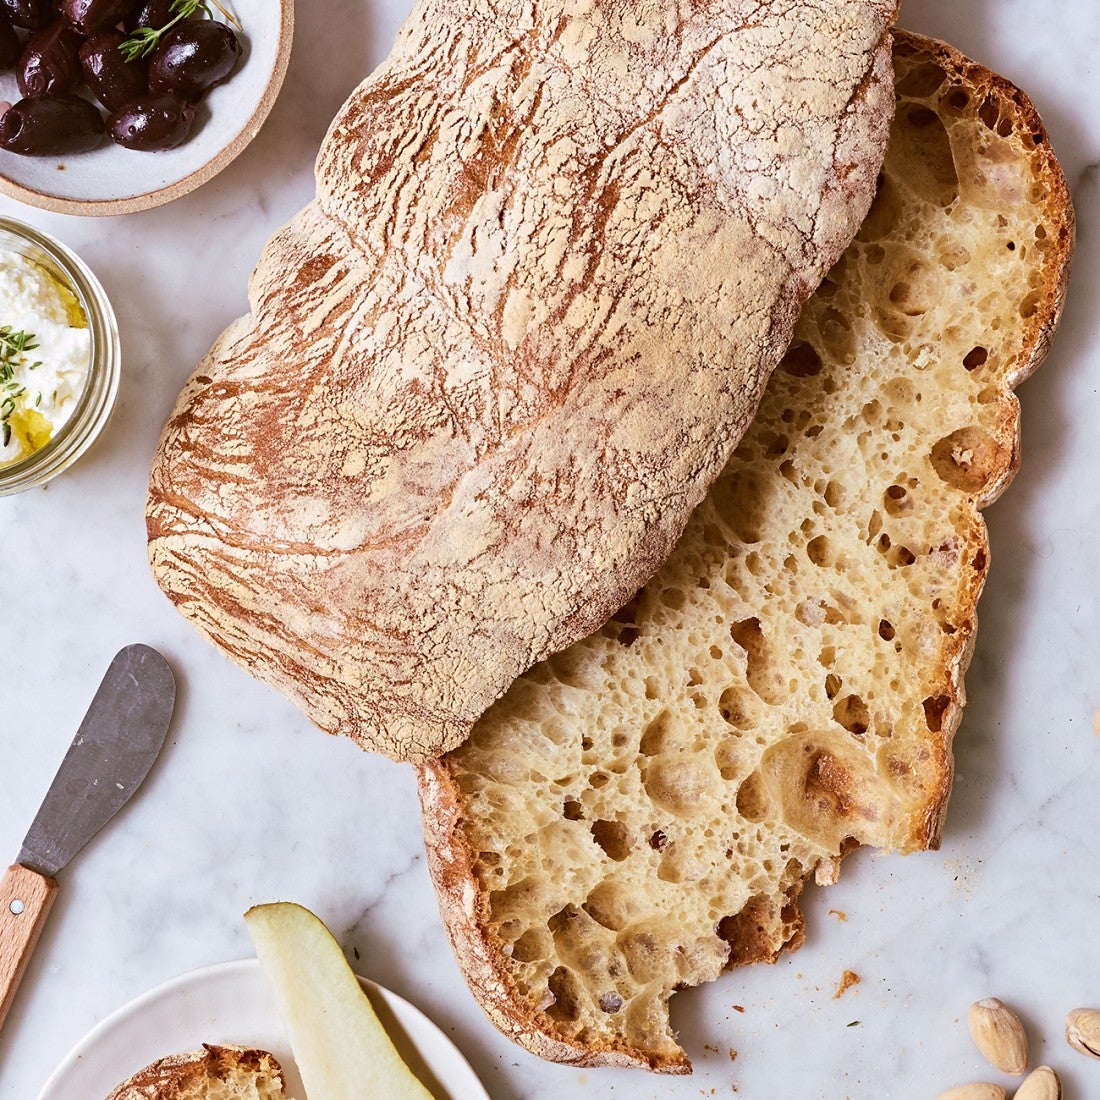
25	901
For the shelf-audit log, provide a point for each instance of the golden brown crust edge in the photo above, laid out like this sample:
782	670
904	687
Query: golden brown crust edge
1049	303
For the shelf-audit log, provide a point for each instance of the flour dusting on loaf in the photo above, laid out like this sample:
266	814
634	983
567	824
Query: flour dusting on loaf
555	252
641	811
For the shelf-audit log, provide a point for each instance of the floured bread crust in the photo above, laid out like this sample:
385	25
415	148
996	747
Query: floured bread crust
555	252
641	811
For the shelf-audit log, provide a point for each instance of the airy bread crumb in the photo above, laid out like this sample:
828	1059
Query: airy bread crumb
641	811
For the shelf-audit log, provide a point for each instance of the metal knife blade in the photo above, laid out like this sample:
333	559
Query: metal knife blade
116	745
113	750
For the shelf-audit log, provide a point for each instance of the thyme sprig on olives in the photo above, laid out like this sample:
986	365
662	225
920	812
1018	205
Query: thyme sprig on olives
143	40
13	348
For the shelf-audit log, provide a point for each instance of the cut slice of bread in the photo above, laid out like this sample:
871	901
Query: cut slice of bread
641	811
216	1072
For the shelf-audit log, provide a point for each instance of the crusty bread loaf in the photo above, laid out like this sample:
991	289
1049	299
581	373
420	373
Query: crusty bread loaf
216	1072
641	811
556	250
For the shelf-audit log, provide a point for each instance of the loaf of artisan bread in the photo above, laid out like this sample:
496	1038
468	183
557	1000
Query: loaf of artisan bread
216	1072
641	811
555	252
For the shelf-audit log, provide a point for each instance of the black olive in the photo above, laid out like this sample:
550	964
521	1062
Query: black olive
10	46
152	122
152	13
92	16
51	126
50	61
193	57
113	80
32	15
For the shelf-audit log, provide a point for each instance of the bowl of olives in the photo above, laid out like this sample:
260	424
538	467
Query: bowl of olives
112	106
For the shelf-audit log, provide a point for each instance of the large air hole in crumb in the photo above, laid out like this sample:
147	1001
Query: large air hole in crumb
902	557
967	459
670	869
759	670
851	712
752	801
1030	305
614	838
530	947
975	358
886	630
819	551
673	598
735	708
934	708
957	99
833	684
742	502
598	780
801	360
882	218
623	626
655	735
915	287
929	168
896	500
989	112
921	81
565	989
572	811
837	336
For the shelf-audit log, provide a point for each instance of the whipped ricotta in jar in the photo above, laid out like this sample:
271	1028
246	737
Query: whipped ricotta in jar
45	356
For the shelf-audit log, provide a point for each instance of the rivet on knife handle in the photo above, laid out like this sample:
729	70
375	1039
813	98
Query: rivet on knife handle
25	901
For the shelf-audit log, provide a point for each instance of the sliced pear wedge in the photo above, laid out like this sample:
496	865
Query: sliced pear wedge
342	1050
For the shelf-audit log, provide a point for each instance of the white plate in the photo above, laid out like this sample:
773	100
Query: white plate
113	180
231	1003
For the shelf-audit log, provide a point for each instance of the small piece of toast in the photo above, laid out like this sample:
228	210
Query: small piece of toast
216	1072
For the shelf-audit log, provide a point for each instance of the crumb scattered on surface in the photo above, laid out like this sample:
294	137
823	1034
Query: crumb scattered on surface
847	980
839	914
738	1008
733	1055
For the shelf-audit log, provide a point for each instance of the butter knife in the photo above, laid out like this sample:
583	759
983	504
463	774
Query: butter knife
116	745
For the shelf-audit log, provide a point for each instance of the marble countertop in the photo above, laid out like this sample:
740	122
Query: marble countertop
250	803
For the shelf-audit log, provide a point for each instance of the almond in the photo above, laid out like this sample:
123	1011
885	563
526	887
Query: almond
1083	1031
980	1090
999	1035
1040	1084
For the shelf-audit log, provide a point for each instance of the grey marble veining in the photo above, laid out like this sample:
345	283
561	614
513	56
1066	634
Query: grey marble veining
249	803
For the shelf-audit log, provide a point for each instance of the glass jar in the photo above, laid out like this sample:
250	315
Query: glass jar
97	398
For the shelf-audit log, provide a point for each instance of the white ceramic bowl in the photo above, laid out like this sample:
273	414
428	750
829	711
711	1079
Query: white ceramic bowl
114	180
